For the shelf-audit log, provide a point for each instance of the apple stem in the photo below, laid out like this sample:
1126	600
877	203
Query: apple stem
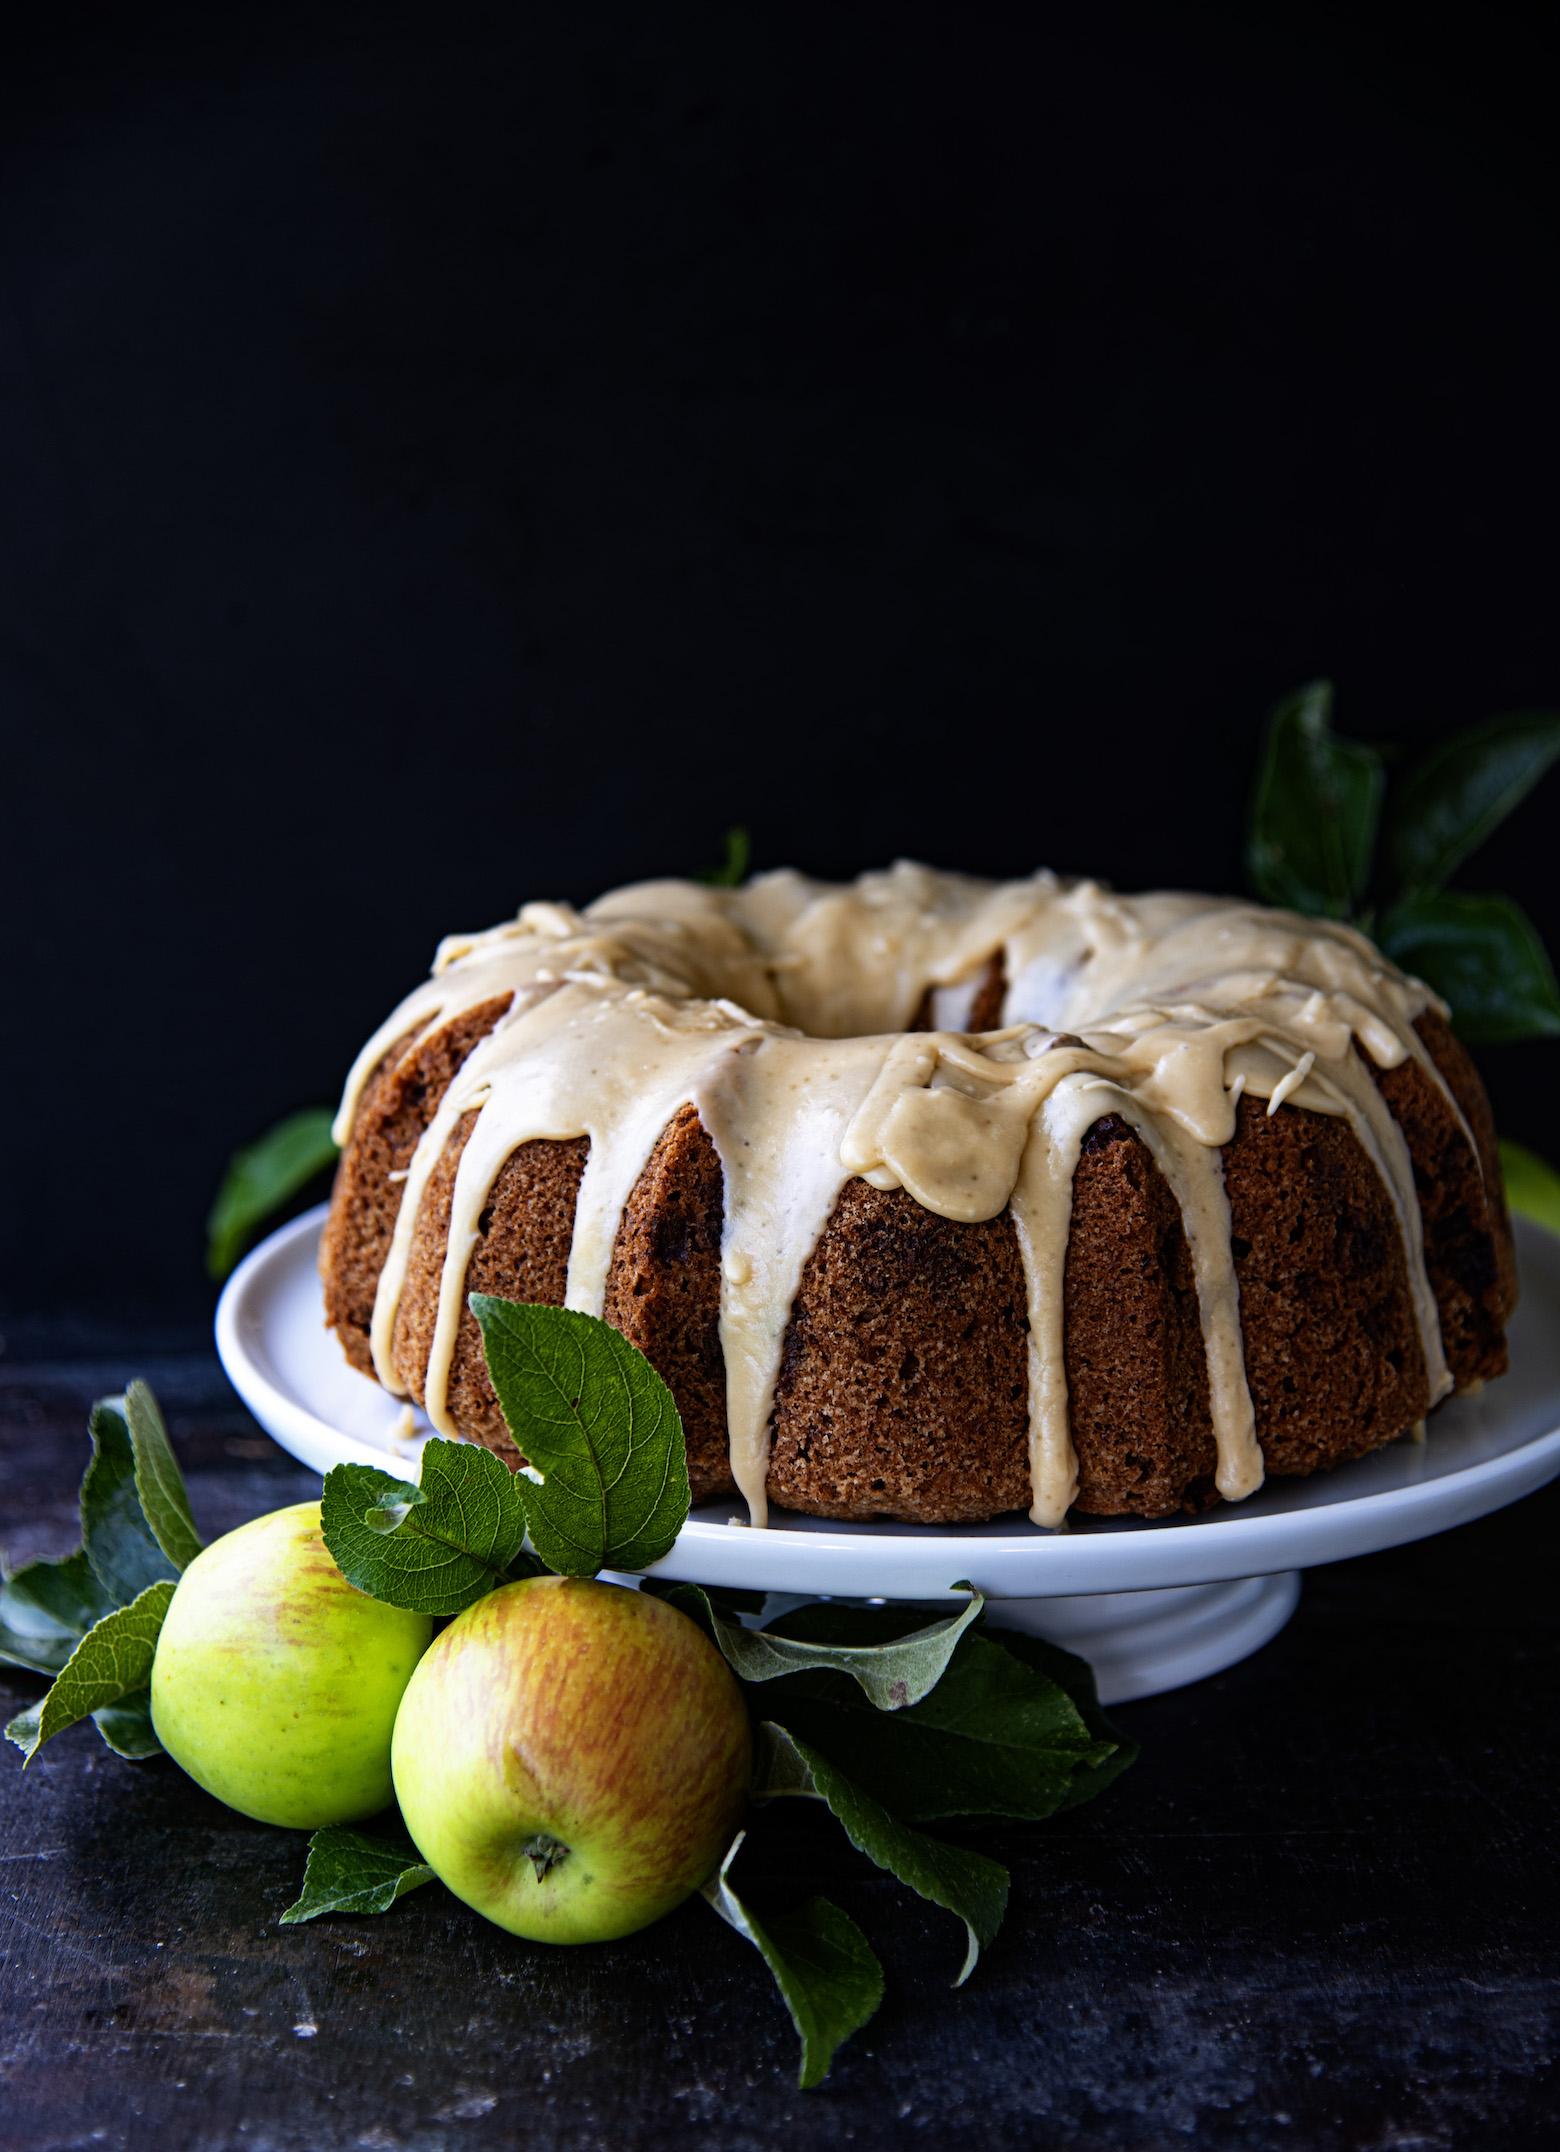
544	1852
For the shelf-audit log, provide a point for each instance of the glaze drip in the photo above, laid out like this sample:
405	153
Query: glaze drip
779	1012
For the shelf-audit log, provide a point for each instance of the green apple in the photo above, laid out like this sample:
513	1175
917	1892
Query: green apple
276	1681
572	1758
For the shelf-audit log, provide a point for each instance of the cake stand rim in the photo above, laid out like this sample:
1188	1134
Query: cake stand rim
917	1561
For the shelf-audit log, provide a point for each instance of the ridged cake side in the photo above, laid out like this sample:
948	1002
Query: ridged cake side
903	1383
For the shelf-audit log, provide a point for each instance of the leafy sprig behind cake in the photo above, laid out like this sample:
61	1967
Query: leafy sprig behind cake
1313	848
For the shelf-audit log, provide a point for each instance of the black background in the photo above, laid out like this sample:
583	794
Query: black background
459	455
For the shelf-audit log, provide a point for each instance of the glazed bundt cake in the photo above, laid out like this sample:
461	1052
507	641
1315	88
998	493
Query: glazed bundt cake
933	1198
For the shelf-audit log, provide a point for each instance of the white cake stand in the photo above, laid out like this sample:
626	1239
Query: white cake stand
1151	1606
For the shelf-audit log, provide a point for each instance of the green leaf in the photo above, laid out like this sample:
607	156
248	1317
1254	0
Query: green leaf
1451	801
26	1729
46	1608
1017	1727
962	1882
994	1738
119	1542
1115	1751
780	1770
159	1484
893	1673
732	873
823	1966
1532	1186
1481	954
262	1178
127	1726
606	1484
1313	823
113	1660
349	1872
434	1548
702	1602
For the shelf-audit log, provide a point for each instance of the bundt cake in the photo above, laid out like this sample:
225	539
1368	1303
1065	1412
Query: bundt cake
933	1198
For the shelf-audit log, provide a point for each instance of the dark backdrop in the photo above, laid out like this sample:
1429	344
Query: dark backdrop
469	454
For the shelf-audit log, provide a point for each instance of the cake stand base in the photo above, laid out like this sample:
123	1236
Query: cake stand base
1141	1643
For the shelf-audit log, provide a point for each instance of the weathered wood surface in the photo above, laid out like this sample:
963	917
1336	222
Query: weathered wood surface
1320	1913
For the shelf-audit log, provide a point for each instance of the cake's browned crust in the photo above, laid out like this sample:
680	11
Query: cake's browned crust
663	1289
1333	1358
903	1381
398	1102
1466	1238
522	1254
985	1009
1137	1373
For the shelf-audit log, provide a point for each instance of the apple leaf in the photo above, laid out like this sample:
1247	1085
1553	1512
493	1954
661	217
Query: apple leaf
1483	955
1452	800
826	1971
46	1609
349	1872
159	1484
963	1883
733	871
780	1770
703	1602
127	1726
1013	1728
112	1661
260	1179
120	1544
26	1729
1313	823
995	1737
606	1485
63	1618
894	1673
1113	1751
1532	1187
434	1548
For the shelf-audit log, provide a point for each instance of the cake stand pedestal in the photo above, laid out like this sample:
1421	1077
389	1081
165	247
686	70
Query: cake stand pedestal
1140	1643
1151	1606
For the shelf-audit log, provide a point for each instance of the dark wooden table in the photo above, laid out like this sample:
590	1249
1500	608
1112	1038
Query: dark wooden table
1319	1913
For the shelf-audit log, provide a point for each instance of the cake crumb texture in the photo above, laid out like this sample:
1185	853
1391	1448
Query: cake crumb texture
1333	1358
1137	1375
904	1379
663	1289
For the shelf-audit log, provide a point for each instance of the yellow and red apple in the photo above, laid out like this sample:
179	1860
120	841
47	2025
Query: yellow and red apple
571	1758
